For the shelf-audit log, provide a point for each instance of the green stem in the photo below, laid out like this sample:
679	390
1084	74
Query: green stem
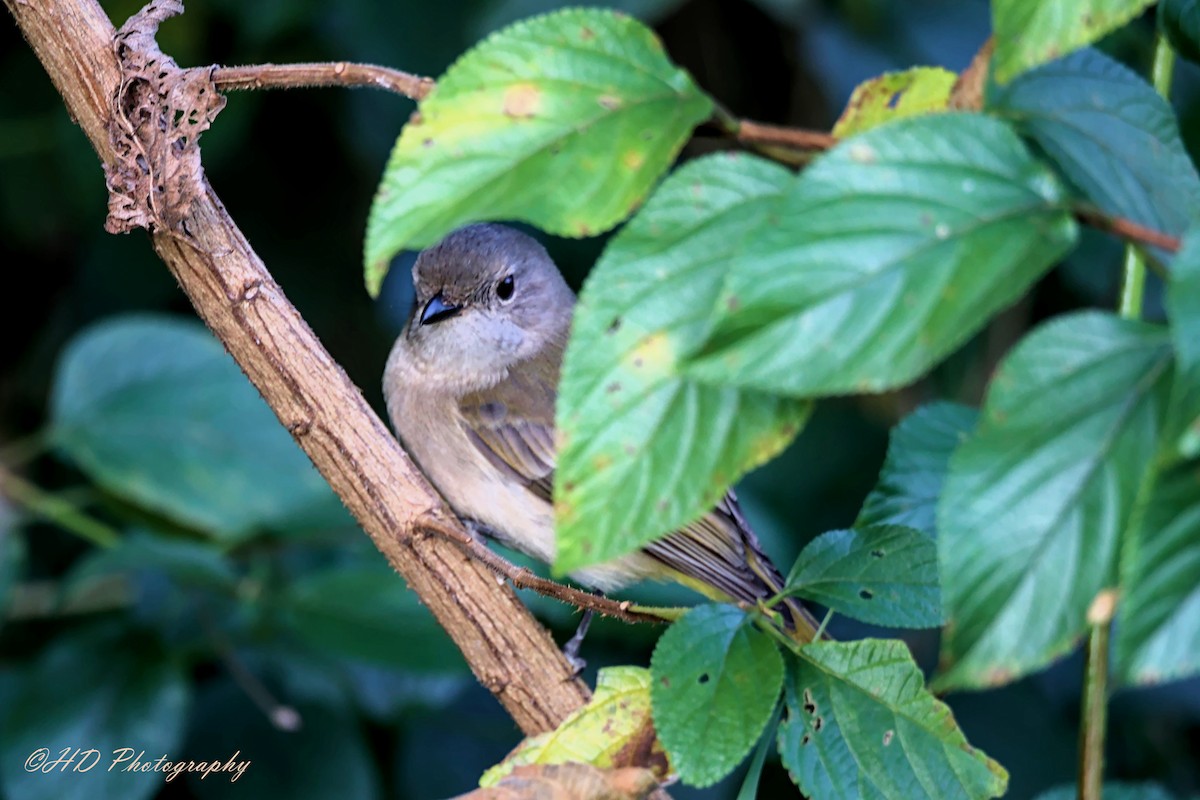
1133	281
1095	697
56	510
1164	66
1133	284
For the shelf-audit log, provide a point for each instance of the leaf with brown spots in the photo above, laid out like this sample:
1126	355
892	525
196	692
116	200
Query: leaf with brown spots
613	730
564	121
860	723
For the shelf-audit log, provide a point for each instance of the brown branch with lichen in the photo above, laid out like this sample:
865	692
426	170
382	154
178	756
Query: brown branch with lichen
119	108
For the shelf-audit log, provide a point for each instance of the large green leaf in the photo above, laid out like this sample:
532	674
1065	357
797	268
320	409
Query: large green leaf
153	409
1158	637
1032	33
92	691
918	456
644	449
882	257
716	679
887	575
861	724
1111	134
366	611
563	120
1038	499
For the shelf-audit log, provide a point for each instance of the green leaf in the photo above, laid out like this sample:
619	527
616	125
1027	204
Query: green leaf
1158	638
615	722
1112	791
12	561
886	575
327	756
1183	305
1037	500
153	409
92	691
1111	134
367	612
883	257
918	456
644	449
1180	21
895	95
861	724
188	562
564	121
716	680
1028	34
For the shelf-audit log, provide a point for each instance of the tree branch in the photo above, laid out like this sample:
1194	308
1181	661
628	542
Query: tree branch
509	652
338	73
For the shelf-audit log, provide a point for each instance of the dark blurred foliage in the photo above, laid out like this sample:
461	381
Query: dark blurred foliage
211	668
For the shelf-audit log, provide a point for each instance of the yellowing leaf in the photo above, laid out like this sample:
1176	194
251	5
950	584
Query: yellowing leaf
895	95
613	730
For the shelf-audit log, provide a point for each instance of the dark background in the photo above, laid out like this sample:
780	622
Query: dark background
297	171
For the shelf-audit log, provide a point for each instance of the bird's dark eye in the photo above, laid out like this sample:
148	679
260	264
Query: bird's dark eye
504	289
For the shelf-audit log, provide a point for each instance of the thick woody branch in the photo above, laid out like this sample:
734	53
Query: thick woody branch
234	294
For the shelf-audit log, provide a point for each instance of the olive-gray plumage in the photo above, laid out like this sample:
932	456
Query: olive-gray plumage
470	387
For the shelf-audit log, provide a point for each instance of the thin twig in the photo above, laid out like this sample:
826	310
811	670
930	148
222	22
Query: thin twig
1125	228
752	132
334	73
522	578
1095	697
281	716
56	510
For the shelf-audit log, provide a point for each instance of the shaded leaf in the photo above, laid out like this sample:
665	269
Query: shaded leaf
1111	134
1037	500
716	680
92	692
861	724
613	730
883	257
895	95
1028	34
1112	791
644	449
1180	20
918	456
1158	638
188	562
153	409
1183	305
367	612
326	756
886	575
563	120
12	561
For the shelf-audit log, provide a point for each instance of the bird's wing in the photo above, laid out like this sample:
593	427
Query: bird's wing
721	551
512	424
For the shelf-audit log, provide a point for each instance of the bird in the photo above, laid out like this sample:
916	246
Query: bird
470	386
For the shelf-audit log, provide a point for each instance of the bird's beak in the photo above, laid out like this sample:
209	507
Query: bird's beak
437	309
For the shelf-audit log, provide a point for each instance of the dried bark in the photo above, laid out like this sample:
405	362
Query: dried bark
150	156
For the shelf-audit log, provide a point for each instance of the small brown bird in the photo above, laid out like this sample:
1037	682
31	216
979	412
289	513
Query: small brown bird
470	387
